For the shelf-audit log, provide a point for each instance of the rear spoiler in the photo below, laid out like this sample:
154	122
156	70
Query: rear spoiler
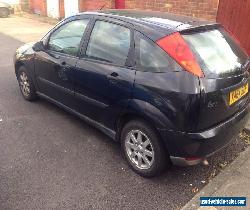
188	28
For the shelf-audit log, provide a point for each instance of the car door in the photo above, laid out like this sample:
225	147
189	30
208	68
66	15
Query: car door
104	75
54	66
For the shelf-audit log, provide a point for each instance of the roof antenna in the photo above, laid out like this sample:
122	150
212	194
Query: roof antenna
102	7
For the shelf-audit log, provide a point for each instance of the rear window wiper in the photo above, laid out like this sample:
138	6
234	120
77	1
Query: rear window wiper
246	64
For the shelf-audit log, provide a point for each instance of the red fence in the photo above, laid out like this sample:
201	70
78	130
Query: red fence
235	16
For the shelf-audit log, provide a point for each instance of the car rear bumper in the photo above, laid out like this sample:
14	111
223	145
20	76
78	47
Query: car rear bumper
194	148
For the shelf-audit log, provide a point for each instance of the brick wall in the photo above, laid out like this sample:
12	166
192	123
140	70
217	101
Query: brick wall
95	4
206	9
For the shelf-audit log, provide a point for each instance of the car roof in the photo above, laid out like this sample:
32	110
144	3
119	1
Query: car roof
152	23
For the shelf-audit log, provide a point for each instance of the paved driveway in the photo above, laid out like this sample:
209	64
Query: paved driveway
52	160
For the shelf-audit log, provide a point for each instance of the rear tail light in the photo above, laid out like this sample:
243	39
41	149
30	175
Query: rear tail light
179	50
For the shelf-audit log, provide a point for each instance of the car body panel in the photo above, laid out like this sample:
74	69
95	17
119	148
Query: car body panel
205	143
215	106
175	94
102	95
103	89
7	6
54	75
25	56
3	4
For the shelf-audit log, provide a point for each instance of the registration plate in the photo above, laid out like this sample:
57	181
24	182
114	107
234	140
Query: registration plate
238	94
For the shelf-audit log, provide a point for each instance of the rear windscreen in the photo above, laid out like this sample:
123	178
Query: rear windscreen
217	53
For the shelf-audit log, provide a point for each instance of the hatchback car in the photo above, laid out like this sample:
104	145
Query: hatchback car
5	9
170	89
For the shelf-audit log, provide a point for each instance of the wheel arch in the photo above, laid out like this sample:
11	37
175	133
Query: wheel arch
143	111
126	117
18	64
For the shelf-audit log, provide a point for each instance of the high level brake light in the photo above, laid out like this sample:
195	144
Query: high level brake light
179	50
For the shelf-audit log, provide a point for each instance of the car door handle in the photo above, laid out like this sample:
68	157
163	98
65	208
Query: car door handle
65	66
56	56
63	63
62	67
113	77
114	74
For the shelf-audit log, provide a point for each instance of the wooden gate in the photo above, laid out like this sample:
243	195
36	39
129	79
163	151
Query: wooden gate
235	17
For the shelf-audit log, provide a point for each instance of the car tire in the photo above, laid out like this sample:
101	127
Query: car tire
146	155
26	85
4	13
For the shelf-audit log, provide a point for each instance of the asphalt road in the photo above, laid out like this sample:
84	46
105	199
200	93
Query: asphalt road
52	160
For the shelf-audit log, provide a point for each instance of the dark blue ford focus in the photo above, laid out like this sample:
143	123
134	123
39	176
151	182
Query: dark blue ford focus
171	89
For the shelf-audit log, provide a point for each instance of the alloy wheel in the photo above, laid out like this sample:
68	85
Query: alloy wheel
139	149
24	84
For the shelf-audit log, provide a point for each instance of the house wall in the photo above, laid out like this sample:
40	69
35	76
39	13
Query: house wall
206	9
95	4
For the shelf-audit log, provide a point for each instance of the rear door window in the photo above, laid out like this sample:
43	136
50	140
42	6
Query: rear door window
151	58
217	53
109	42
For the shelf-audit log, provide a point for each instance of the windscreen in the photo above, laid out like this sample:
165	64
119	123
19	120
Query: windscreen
217	53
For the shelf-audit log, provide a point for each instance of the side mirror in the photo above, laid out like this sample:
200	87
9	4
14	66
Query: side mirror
39	46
